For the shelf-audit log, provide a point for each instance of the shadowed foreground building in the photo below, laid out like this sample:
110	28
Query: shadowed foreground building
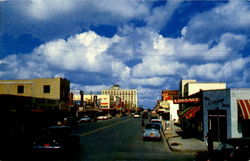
33	101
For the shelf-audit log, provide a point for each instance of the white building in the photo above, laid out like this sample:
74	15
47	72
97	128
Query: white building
128	96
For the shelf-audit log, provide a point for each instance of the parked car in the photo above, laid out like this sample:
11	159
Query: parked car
103	117
85	119
158	121
152	131
56	138
236	149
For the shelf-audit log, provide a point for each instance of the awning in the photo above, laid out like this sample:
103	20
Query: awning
191	112
245	108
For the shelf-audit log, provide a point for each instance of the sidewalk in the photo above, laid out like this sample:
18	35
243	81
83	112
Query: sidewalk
179	144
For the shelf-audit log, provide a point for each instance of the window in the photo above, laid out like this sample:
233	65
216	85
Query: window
46	89
20	89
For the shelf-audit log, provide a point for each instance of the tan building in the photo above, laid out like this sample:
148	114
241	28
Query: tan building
128	96
56	89
189	87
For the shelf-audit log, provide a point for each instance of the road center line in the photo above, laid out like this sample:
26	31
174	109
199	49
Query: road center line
102	128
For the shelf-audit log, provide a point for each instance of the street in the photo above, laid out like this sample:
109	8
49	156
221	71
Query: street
115	139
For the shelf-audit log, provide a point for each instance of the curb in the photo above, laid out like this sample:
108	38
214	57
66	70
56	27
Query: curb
178	150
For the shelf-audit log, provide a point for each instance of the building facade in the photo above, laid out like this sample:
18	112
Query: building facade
167	107
128	96
44	89
227	113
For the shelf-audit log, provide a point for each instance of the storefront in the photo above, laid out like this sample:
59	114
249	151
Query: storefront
226	113
191	116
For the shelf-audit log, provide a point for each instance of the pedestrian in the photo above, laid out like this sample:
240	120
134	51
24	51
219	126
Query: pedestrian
210	144
142	122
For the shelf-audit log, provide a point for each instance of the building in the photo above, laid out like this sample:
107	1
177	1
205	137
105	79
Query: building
223	112
190	104
28	102
166	108
44	92
226	113
128	96
190	87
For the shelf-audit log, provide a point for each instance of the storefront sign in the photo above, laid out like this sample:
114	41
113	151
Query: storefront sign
186	100
211	102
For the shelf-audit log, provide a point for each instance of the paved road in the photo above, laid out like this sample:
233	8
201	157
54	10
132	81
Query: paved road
119	139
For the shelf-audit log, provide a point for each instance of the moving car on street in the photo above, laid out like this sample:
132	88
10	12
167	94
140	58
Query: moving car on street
152	131
56	138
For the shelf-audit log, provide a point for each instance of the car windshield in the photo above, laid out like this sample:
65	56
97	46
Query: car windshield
152	126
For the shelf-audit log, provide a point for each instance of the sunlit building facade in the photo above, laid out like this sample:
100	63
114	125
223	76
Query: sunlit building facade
128	96
48	90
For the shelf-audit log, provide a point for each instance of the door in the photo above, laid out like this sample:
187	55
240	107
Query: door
217	123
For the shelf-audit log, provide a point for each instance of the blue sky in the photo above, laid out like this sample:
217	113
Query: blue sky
148	45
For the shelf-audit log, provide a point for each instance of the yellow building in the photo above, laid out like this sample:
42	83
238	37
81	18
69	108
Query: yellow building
56	89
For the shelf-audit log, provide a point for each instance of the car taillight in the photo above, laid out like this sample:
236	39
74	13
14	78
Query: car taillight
46	144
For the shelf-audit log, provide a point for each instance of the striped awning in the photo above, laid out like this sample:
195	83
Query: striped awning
191	112
245	108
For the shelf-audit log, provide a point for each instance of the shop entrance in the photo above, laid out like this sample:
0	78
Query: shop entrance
217	123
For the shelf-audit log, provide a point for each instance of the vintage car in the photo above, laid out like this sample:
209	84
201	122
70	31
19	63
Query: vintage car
235	149
56	138
85	119
136	116
103	117
158	121
152	131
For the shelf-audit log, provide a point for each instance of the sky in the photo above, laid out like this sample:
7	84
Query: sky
148	45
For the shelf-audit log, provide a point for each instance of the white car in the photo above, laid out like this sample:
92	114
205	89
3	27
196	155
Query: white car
85	119
102	117
136	116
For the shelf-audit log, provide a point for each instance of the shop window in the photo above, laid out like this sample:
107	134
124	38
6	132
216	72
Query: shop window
46	89
20	89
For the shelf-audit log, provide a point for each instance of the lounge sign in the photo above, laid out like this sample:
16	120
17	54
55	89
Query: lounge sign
186	100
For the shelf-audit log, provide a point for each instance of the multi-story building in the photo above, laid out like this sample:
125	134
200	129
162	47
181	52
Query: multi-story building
43	92
128	96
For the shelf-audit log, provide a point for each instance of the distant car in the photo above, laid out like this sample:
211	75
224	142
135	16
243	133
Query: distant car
152	131
56	138
136	116
102	117
236	149
85	119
